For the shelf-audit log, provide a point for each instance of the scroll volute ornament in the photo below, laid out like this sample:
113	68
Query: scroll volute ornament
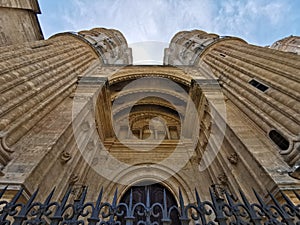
73	179
65	157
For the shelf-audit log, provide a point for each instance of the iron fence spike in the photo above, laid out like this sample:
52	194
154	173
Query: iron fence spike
274	199
83	195
130	199
197	197
297	195
181	202
3	191
33	196
165	199
49	197
98	202
286	198
229	198
17	196
66	196
252	213
258	198
212	195
148	199
245	200
114	202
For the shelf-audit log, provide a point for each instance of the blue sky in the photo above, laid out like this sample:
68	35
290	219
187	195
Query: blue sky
259	22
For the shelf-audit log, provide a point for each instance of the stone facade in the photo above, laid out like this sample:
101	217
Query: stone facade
76	112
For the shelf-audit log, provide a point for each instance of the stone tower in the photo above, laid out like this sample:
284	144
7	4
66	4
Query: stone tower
75	112
261	82
288	44
19	22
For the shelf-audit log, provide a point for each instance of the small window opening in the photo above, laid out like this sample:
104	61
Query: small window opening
279	140
258	85
173	133
137	133
147	132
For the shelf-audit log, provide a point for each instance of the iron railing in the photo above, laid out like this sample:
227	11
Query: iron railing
221	209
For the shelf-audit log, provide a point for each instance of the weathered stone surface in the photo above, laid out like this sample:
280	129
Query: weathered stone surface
19	22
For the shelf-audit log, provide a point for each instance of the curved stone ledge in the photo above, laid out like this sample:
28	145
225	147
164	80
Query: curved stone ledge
110	45
186	47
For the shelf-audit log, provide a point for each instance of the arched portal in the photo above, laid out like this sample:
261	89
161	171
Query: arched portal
149	193
152	120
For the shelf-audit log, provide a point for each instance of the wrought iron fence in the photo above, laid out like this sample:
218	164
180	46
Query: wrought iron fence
219	210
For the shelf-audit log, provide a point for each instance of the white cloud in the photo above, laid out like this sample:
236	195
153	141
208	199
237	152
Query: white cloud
250	18
275	11
159	20
142	20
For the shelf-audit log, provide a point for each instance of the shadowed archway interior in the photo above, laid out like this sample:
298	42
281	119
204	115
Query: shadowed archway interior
149	193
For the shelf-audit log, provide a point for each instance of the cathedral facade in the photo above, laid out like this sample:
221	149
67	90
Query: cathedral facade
75	112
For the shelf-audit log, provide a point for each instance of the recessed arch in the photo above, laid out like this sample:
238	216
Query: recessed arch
158	174
148	192
161	162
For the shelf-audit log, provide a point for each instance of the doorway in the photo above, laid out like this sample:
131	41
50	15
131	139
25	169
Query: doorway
156	195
